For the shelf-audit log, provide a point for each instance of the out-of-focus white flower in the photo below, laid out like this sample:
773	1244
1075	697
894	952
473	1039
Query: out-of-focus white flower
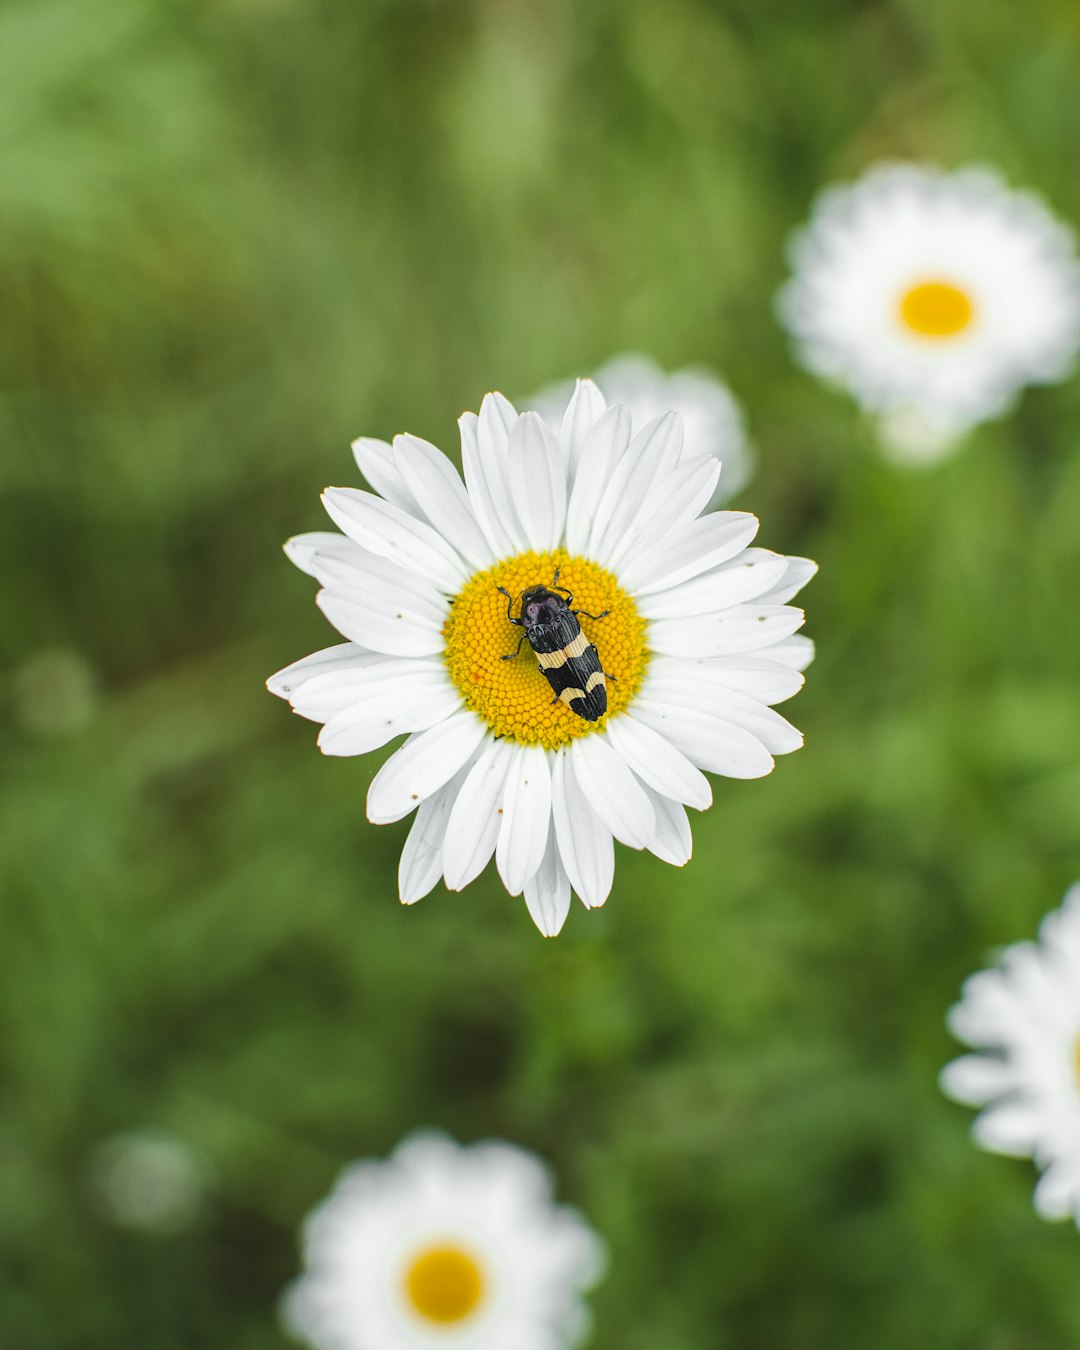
933	298
148	1180
692	625
1023	1018
712	419
448	1247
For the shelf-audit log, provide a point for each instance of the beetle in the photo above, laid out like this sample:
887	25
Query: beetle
569	661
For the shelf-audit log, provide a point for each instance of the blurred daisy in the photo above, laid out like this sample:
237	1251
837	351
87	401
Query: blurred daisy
933	298
1024	1020
712	420
692	625
444	1246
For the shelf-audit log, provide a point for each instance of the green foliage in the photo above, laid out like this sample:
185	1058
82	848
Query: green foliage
235	234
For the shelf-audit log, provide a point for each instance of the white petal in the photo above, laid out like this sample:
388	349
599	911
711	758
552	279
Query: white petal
672	843
1057	1195
392	533
673	502
378	620
977	1079
796	652
653	453
766	680
332	691
301	548
799	572
537	481
746	628
422	857
1011	1127
715	746
485	463
749	576
475	821
605	445
440	494
703	544
526	812
587	405
346	566
393	710
612	791
343	655
547	893
476	485
585	843
376	461
658	762
698	693
423	764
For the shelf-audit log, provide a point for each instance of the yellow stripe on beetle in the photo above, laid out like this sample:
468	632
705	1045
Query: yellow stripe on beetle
552	660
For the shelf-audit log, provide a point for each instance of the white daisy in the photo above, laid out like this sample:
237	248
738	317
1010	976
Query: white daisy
442	1246
1024	1019
693	627
933	298
712	419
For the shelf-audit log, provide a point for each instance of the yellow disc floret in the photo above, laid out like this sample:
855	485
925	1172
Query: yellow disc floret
936	309
513	697
444	1285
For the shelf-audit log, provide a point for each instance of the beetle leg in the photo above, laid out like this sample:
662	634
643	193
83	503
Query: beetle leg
517	649
556	587
503	591
602	615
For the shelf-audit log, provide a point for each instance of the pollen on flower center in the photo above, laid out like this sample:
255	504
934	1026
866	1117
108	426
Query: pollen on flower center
513	697
444	1285
936	309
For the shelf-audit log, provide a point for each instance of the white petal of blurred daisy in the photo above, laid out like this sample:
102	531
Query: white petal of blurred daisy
933	298
1023	1019
443	1246
712	419
693	628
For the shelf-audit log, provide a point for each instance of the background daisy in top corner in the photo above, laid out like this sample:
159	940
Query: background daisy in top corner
1023	1020
692	623
444	1247
933	298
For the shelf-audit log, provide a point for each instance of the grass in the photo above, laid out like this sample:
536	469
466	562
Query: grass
237	233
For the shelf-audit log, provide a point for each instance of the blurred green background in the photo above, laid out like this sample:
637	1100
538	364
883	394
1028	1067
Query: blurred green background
234	234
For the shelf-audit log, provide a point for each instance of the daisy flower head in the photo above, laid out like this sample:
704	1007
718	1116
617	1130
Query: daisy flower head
1023	1020
448	1247
567	642
933	298
712	419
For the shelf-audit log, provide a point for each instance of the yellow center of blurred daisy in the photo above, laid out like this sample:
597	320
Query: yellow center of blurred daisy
513	697
444	1285
936	309
1076	1061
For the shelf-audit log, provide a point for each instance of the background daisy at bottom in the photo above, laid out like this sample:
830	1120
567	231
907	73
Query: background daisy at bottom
442	1245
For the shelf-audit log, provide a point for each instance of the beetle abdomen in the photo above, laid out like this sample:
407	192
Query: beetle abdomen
571	665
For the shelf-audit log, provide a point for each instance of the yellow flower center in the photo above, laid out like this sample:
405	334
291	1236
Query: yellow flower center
514	697
1076	1062
444	1285
936	309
